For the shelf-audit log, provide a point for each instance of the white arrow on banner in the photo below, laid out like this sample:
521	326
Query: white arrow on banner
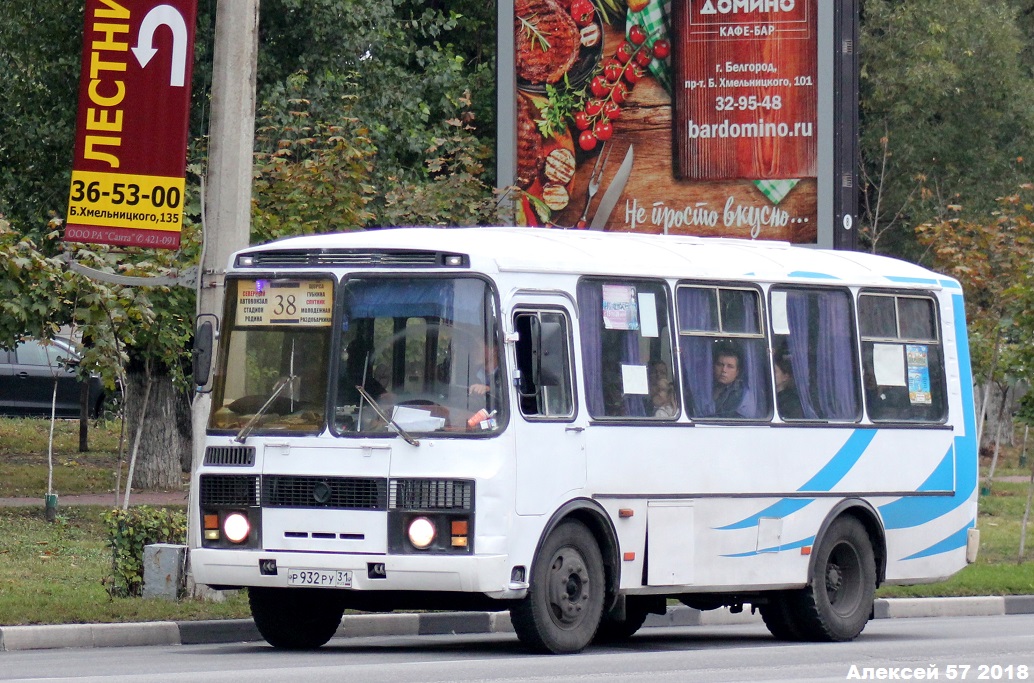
164	15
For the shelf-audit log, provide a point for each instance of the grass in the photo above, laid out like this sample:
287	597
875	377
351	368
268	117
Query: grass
58	573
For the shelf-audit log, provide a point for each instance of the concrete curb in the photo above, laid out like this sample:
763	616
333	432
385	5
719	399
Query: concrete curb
444	623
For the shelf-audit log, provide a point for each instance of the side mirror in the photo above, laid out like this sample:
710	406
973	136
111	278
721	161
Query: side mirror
549	359
204	343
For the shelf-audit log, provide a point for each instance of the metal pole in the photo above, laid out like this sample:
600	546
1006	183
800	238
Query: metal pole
227	193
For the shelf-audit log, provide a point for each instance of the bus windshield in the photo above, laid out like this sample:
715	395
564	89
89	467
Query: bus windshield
425	350
273	376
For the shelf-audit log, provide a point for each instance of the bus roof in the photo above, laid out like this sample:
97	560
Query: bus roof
583	252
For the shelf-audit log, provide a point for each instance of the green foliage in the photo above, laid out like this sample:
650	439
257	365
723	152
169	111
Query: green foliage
991	257
947	107
310	176
132	529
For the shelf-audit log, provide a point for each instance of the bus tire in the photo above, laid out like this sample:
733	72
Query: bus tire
566	591
296	618
613	630
780	618
838	601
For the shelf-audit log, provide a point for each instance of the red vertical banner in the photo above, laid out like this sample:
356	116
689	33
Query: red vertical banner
746	89
131	134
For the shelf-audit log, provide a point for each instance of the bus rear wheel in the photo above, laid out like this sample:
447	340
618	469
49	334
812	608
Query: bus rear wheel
296	618
838	601
565	598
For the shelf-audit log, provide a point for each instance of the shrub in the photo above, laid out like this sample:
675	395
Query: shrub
128	532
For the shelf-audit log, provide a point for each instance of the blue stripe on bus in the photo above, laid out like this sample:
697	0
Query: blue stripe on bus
914	280
954	542
905	514
813	276
824	480
778	549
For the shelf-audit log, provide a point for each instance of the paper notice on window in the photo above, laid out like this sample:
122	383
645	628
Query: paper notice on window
619	308
780	323
648	315
634	380
918	360
888	362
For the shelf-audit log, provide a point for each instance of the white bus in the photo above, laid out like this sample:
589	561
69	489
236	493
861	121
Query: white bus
578	427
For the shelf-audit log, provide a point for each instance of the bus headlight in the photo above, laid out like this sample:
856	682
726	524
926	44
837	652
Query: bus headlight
421	532
236	527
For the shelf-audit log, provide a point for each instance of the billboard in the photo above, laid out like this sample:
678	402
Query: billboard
733	118
131	133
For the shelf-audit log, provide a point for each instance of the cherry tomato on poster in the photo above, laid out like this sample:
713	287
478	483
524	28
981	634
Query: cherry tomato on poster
593	107
583	12
643	57
611	109
581	120
624	52
661	49
612	70
632	73
603	129
636	34
599	86
587	140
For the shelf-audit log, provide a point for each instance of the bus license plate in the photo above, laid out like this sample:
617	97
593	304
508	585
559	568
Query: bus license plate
319	578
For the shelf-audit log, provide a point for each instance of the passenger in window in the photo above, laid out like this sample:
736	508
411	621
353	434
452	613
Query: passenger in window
729	386
787	399
662	396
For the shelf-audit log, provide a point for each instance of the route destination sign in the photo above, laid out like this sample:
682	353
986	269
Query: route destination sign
127	184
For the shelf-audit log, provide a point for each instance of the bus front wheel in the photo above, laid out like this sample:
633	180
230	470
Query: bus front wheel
838	601
565	598
296	618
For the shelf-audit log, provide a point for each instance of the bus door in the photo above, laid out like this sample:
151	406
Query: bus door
550	434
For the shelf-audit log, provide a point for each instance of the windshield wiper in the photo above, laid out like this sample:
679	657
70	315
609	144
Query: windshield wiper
388	420
278	388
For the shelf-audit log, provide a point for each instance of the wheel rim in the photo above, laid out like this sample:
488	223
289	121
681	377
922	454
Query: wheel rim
843	579
569	587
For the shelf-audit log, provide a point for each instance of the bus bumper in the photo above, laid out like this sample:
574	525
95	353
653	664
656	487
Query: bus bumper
469	574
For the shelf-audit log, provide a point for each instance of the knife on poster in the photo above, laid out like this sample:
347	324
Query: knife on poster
613	193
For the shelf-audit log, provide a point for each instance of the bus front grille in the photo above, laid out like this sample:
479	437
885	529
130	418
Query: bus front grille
431	494
233	456
234	490
338	493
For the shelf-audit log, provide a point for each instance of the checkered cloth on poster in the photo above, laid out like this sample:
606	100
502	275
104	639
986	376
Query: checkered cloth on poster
776	190
655	19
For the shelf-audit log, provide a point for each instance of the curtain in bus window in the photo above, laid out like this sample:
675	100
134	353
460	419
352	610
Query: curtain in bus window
696	311
415	299
827	390
755	398
603	352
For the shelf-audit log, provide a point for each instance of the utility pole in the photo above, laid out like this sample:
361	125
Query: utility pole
228	187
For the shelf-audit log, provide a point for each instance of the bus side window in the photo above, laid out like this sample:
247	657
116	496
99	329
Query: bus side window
627	358
813	329
902	360
724	352
544	362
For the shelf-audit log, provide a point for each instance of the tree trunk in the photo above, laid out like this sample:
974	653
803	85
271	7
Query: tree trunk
163	443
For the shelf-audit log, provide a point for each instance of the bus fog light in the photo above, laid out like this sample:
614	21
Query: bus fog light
236	527
421	532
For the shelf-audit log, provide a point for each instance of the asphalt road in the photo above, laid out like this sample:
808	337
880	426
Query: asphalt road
1002	645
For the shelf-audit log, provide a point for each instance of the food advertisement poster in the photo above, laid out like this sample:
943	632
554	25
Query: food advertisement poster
696	117
918	360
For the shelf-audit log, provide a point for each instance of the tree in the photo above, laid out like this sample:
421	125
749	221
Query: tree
991	258
946	109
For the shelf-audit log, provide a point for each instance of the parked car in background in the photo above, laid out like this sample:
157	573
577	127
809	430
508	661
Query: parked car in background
27	380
